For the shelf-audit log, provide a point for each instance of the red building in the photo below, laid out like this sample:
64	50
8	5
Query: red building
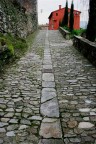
56	17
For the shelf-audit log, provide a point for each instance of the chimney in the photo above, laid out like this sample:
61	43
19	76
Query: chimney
59	7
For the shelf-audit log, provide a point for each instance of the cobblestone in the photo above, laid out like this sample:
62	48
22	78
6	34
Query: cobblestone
75	80
49	95
51	141
20	97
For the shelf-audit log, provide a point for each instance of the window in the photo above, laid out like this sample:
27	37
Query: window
56	14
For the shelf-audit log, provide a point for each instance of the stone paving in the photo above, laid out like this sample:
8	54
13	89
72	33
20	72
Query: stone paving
49	96
75	80
20	90
50	126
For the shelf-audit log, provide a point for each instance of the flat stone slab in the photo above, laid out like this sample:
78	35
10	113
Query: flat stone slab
47	58
47	50
84	110
47	95
48	77
47	71
23	127
48	84
47	54
49	120
72	81
1	141
88	101
51	141
50	108
48	90
51	129
10	134
2	130
35	118
47	62
47	66
85	125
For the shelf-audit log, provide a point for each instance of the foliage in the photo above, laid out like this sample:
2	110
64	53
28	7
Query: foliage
16	4
20	43
38	50
11	47
65	18
66	28
91	28
60	23
6	42
79	32
71	21
30	39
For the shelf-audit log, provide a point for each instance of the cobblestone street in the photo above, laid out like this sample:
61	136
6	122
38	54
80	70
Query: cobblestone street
49	96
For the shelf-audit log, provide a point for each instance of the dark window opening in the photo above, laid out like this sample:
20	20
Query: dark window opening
56	14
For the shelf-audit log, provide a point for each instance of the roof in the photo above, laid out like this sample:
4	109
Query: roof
60	9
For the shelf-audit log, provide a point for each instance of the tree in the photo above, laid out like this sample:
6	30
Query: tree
71	20
91	28
65	18
60	23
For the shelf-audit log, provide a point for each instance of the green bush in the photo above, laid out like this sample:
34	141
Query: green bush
7	42
66	28
18	43
11	47
78	32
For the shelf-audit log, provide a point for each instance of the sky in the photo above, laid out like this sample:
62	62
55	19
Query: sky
45	7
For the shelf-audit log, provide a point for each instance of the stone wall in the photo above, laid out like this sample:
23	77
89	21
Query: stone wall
66	34
18	17
87	48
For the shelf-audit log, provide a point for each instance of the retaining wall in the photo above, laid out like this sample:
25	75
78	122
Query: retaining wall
65	33
87	48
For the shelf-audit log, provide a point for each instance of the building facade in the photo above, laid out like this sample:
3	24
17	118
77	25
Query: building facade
56	17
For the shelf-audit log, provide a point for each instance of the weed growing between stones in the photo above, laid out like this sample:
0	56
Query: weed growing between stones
38	50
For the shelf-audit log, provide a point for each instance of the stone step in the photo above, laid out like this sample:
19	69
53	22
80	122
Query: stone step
47	95
50	128
48	77
48	84
50	108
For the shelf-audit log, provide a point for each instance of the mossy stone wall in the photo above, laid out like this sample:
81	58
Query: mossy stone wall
18	17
